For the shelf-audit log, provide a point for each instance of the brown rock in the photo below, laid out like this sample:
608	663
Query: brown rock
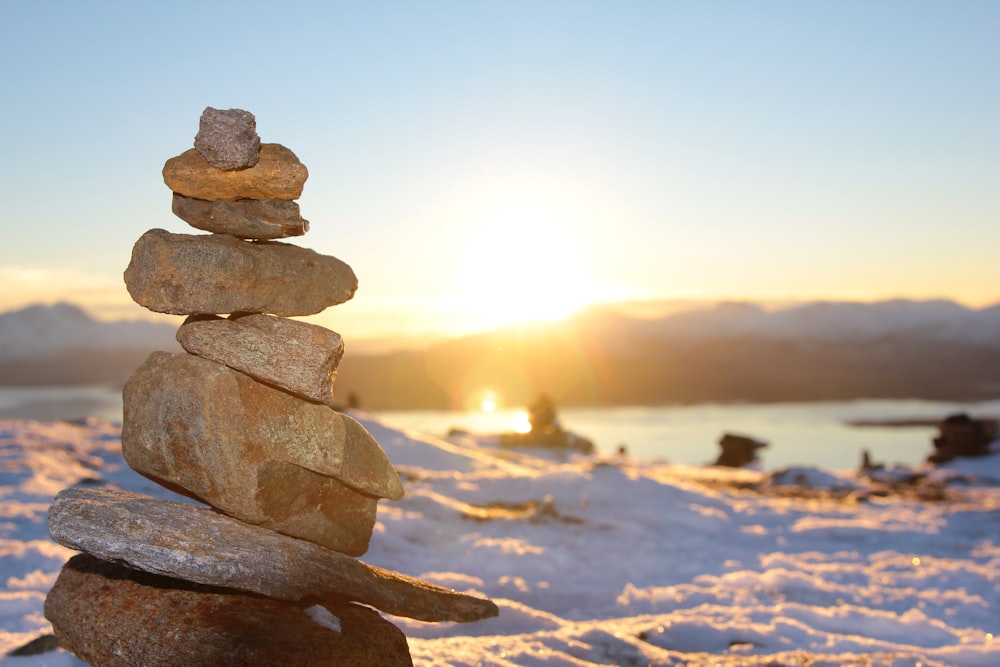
111	616
184	274
193	543
961	435
738	450
228	139
295	356
277	175
255	452
243	218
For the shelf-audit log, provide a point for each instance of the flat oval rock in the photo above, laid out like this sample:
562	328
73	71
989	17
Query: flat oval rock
278	174
243	218
192	543
186	274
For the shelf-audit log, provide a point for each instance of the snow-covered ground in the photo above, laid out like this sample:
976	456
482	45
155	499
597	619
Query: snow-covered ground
610	561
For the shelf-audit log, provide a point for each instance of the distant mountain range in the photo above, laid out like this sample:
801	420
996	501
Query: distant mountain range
725	352
62	344
844	322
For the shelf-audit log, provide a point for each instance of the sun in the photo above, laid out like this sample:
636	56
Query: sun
523	266
488	401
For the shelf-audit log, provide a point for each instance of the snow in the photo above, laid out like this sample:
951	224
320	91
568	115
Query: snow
324	617
606	560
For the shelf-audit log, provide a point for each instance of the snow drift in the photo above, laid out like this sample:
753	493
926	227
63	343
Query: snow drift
601	560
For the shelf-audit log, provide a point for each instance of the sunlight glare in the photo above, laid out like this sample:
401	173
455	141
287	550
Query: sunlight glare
524	266
488	402
519	423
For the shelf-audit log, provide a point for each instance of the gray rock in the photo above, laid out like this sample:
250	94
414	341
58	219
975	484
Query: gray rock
113	616
298	357
193	543
186	274
243	218
37	646
228	139
255	452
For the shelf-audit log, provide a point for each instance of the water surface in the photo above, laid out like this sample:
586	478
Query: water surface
797	433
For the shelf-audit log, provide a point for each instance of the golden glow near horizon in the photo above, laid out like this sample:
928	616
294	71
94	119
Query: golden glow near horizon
488	401
519	423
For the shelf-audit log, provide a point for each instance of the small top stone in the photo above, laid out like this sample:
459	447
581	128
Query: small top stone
228	139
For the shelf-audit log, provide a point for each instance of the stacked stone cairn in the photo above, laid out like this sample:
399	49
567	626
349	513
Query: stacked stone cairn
243	421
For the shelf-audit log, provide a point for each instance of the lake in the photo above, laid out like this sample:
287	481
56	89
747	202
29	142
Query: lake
797	433
71	402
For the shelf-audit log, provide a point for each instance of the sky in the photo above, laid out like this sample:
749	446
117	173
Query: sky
480	163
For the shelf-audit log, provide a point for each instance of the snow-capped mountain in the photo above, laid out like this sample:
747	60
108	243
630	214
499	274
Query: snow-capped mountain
40	330
933	321
731	351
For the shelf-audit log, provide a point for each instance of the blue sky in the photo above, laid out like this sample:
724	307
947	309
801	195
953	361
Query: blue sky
481	162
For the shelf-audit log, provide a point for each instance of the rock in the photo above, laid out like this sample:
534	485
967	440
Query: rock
111	616
738	450
37	646
277	175
298	357
243	218
184	274
228	139
188	542
254	452
959	435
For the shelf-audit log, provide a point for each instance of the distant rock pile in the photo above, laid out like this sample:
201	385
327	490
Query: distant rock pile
738	451
960	435
243	421
546	431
